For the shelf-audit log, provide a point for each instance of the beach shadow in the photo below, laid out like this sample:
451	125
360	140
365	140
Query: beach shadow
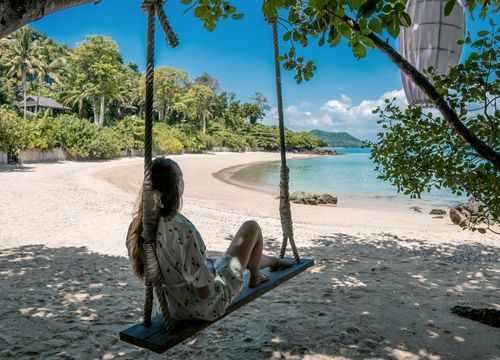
15	168
69	302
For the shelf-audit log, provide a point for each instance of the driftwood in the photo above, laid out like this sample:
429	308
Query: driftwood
14	14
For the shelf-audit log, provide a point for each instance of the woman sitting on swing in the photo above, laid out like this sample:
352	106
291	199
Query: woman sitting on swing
196	286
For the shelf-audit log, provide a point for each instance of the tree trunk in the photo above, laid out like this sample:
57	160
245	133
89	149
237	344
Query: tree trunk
203	122
24	89
101	111
94	109
423	84
15	14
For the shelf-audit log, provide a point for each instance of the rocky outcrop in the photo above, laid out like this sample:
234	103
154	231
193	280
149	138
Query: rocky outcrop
438	212
465	212
313	199
319	151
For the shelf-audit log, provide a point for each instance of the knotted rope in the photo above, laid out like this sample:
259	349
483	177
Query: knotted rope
150	209
285	210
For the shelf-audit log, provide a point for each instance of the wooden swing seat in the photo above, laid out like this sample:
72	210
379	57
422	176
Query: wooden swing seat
157	339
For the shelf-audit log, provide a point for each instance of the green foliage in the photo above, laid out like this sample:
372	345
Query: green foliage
230	140
339	139
9	130
38	133
302	141
418	151
164	141
83	139
330	22
131	133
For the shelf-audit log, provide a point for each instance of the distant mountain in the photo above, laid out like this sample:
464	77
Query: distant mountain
339	139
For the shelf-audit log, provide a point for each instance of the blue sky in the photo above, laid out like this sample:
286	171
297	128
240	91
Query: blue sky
239	55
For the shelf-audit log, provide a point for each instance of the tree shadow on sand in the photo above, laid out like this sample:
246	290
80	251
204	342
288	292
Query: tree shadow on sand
379	298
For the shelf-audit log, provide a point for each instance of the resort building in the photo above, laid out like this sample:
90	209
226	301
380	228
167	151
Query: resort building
37	104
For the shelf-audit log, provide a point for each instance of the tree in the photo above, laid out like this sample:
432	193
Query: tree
195	103
416	151
170	84
256	109
22	57
52	60
209	81
97	73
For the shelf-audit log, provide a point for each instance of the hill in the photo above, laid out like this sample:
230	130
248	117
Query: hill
339	139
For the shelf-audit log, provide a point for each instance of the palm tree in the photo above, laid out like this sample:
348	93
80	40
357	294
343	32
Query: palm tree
79	95
23	59
50	65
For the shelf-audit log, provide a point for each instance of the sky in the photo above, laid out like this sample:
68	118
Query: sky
239	54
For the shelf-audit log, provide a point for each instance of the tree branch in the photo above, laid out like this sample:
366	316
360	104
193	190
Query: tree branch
423	84
16	14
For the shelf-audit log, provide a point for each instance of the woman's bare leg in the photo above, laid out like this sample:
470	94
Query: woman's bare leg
247	246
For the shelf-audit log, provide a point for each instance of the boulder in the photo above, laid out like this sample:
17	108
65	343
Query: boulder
465	211
438	212
312	198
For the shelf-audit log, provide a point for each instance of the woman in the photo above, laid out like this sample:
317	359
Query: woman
196	287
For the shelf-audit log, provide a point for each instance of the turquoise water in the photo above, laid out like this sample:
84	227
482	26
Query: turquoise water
350	175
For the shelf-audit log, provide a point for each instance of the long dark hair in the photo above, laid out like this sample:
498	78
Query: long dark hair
166	177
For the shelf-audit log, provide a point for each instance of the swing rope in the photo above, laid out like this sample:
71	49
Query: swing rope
285	210
152	272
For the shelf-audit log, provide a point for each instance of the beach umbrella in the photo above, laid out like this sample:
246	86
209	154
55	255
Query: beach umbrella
430	41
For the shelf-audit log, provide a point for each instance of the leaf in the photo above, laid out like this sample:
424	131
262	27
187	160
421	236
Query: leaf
404	19
448	8
237	16
375	25
359	50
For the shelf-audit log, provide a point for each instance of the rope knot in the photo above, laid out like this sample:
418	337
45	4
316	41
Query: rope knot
157	7
148	4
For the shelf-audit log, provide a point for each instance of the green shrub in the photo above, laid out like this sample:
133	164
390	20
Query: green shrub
191	140
163	140
9	130
38	133
230	140
83	139
105	144
302	141
131	131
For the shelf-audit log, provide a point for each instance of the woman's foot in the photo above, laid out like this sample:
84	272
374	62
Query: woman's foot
256	279
280	264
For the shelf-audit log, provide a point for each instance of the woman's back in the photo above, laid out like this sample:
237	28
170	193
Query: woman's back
181	254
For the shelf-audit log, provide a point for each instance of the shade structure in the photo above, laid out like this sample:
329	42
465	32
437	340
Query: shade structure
431	40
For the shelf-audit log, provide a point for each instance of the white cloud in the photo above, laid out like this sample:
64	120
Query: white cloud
337	115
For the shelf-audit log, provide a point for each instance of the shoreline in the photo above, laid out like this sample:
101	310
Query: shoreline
230	176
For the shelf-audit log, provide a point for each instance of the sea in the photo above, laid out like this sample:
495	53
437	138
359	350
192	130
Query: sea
351	175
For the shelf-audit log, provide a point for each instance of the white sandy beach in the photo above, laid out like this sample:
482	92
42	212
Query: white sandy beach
384	280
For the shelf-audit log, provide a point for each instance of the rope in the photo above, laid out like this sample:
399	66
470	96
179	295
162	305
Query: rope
150	210
285	210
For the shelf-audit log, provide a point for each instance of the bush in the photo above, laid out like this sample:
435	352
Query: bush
9	130
302	141
191	140
83	139
131	131
38	133
163	140
230	140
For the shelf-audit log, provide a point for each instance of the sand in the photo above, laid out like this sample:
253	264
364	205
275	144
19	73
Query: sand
384	280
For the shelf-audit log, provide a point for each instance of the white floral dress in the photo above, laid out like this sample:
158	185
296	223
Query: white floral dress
181	254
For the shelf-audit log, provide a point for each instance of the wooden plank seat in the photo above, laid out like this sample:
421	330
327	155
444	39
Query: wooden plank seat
156	337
